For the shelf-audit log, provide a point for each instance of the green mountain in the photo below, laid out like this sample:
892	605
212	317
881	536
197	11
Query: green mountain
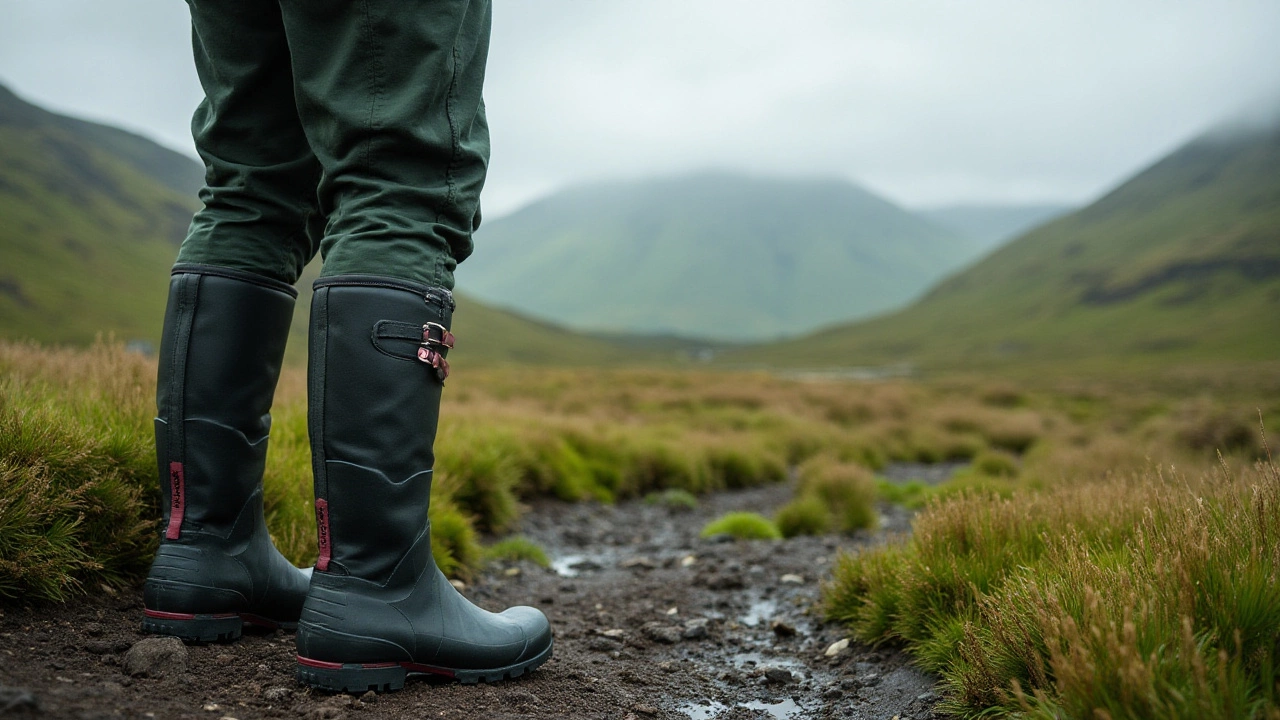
1178	265
709	255
90	220
90	217
992	225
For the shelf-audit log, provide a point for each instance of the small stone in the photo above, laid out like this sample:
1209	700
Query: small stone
645	709
612	633
725	581
792	579
511	571
673	611
660	632
779	676
782	629
277	694
458	584
369	697
92	629
833	694
688	560
224	659
837	647
156	657
927	696
211	707
870	680
695	629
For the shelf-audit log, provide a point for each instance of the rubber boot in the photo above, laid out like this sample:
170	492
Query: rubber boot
220	356
379	608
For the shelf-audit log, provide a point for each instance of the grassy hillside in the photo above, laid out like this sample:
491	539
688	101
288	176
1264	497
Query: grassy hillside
1179	265
91	218
710	255
85	229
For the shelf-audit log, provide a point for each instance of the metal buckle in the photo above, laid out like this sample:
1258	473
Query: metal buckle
430	355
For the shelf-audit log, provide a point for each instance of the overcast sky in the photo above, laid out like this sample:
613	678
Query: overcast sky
926	102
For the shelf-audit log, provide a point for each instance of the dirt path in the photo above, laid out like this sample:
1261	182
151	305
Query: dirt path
650	622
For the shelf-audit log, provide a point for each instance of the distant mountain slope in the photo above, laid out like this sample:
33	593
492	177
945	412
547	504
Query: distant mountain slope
992	225
84	226
709	255
1179	264
90	221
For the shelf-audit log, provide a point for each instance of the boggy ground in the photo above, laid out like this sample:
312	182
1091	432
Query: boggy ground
650	622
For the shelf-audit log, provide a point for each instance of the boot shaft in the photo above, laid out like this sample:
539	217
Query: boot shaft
376	369
220	357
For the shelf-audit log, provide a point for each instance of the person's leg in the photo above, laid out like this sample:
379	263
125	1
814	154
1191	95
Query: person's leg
230	305
389	93
260	174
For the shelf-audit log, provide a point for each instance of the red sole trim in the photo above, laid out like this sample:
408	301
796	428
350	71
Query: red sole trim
162	615
409	666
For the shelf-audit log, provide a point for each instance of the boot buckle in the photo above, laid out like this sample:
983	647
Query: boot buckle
435	335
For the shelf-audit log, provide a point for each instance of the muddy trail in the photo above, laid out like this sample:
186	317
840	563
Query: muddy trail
650	622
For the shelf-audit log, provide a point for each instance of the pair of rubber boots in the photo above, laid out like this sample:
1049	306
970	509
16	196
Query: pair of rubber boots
376	607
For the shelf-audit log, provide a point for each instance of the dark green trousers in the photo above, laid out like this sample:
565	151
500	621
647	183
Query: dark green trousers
355	128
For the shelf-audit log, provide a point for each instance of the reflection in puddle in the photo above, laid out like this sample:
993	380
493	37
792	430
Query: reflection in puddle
782	710
575	565
760	611
564	565
759	660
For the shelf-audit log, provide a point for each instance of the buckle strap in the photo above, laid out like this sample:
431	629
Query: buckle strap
435	335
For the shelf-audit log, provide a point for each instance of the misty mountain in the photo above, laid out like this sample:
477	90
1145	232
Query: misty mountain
1180	264
992	225
91	218
710	255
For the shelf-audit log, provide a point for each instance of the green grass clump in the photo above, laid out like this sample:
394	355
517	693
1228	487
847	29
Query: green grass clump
743	525
77	470
805	515
996	463
846	490
1145	597
673	499
517	548
454	545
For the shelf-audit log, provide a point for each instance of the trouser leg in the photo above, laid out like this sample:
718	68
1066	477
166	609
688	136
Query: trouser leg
260	174
389	94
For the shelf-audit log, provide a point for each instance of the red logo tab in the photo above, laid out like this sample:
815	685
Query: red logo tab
177	500
322	528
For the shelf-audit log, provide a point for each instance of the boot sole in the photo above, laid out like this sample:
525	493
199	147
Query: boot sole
206	628
383	677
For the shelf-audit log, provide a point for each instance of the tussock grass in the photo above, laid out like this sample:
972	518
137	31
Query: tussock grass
1151	595
674	499
517	548
830	495
73	500
742	525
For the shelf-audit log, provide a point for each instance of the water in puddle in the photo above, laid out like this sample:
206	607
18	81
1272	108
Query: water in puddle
575	565
760	611
782	710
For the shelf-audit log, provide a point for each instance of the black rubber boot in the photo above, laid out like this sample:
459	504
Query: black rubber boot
379	608
220	356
